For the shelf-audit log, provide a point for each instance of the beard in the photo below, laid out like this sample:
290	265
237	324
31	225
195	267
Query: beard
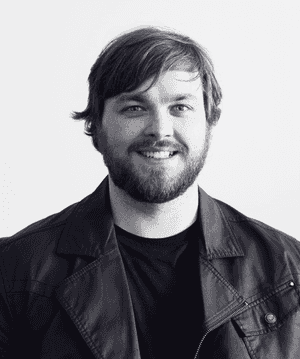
155	186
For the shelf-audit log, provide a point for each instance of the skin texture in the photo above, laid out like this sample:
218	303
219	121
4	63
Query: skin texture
145	193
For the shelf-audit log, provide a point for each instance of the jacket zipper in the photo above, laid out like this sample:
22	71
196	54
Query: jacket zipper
237	311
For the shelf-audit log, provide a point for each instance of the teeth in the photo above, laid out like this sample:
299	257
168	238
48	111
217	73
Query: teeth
161	154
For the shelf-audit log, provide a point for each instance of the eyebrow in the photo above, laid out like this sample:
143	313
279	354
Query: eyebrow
139	97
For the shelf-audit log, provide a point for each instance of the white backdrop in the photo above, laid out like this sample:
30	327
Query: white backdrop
47	50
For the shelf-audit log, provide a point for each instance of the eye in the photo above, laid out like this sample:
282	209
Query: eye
133	109
181	108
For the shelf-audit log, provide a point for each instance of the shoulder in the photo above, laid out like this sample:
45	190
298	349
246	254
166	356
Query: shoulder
50	243
248	229
32	249
47	237
45	227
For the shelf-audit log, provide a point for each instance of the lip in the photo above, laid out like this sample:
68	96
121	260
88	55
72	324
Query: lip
152	159
155	149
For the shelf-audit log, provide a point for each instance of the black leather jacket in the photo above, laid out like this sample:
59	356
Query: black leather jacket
64	292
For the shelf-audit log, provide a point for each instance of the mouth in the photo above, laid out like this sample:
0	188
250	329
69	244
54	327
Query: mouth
158	155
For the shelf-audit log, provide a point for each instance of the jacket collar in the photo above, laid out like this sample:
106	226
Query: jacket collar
219	239
89	231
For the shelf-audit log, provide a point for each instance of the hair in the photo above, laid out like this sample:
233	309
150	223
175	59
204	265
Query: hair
136	56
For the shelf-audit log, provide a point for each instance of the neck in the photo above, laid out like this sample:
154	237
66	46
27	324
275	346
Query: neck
154	220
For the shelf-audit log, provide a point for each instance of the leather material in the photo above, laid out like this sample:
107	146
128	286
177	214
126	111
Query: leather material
64	291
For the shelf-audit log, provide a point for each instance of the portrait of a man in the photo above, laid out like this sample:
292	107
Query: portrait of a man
149	265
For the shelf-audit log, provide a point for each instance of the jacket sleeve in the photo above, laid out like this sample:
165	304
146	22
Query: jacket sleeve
5	321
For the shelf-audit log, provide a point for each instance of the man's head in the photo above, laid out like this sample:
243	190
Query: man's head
152	89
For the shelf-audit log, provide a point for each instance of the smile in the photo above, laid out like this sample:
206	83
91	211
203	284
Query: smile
158	155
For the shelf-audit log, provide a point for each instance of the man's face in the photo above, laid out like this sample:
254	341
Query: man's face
154	144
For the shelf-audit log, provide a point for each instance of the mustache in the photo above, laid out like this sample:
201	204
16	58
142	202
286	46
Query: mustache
135	147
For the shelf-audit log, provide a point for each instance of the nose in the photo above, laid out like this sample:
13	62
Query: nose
160	125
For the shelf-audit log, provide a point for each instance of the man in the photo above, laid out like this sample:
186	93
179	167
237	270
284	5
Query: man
149	265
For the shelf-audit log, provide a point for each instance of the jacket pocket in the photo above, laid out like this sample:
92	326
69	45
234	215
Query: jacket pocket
270	327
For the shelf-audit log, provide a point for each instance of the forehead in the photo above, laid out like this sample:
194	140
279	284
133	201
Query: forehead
170	84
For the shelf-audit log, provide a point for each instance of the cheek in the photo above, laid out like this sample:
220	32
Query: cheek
125	129
193	133
132	129
118	136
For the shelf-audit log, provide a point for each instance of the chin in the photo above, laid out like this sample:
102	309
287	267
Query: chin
156	188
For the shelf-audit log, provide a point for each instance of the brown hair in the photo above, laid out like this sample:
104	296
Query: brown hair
133	58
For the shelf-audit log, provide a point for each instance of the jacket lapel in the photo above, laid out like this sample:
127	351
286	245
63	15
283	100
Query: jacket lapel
220	299
97	297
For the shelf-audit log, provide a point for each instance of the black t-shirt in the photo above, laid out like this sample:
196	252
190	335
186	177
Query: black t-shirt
164	282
